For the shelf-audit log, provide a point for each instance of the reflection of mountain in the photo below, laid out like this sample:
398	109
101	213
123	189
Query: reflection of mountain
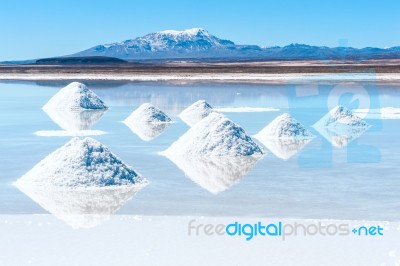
174	98
147	130
75	120
215	174
81	207
285	148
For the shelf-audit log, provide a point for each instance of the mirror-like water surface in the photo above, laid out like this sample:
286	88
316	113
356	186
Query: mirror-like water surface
340	177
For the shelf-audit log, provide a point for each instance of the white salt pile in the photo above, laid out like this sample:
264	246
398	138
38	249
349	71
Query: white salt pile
215	135
75	96
215	153
214	174
196	112
284	136
147	121
340	126
81	183
75	109
80	163
339	118
148	113
284	127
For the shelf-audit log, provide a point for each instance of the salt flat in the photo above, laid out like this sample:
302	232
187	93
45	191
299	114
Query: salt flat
216	77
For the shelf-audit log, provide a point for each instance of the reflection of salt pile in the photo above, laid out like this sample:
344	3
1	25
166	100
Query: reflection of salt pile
75	120
196	112
81	207
285	148
214	174
75	109
215	153
340	126
75	96
81	180
284	136
147	121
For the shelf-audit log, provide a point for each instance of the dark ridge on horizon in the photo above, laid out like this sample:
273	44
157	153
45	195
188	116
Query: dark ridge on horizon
81	60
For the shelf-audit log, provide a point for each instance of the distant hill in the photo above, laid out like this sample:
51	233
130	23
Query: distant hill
198	43
80	60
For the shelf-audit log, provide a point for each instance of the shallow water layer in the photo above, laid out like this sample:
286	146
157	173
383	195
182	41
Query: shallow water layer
336	177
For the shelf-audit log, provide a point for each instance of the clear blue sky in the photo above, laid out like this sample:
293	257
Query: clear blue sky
35	29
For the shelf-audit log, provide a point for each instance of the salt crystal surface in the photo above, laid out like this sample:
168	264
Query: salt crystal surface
196	112
75	96
215	135
80	163
284	136
147	121
215	153
340	126
81	183
284	127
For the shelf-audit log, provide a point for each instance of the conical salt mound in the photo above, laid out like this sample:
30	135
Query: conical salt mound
196	112
147	113
214	135
340	117
80	163
340	126
147	122
75	96
284	127
284	136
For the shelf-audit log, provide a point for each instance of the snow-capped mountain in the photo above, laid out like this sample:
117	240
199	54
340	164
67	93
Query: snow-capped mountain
199	43
190	43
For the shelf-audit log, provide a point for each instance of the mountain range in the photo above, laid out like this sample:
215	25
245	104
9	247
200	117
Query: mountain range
198	43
